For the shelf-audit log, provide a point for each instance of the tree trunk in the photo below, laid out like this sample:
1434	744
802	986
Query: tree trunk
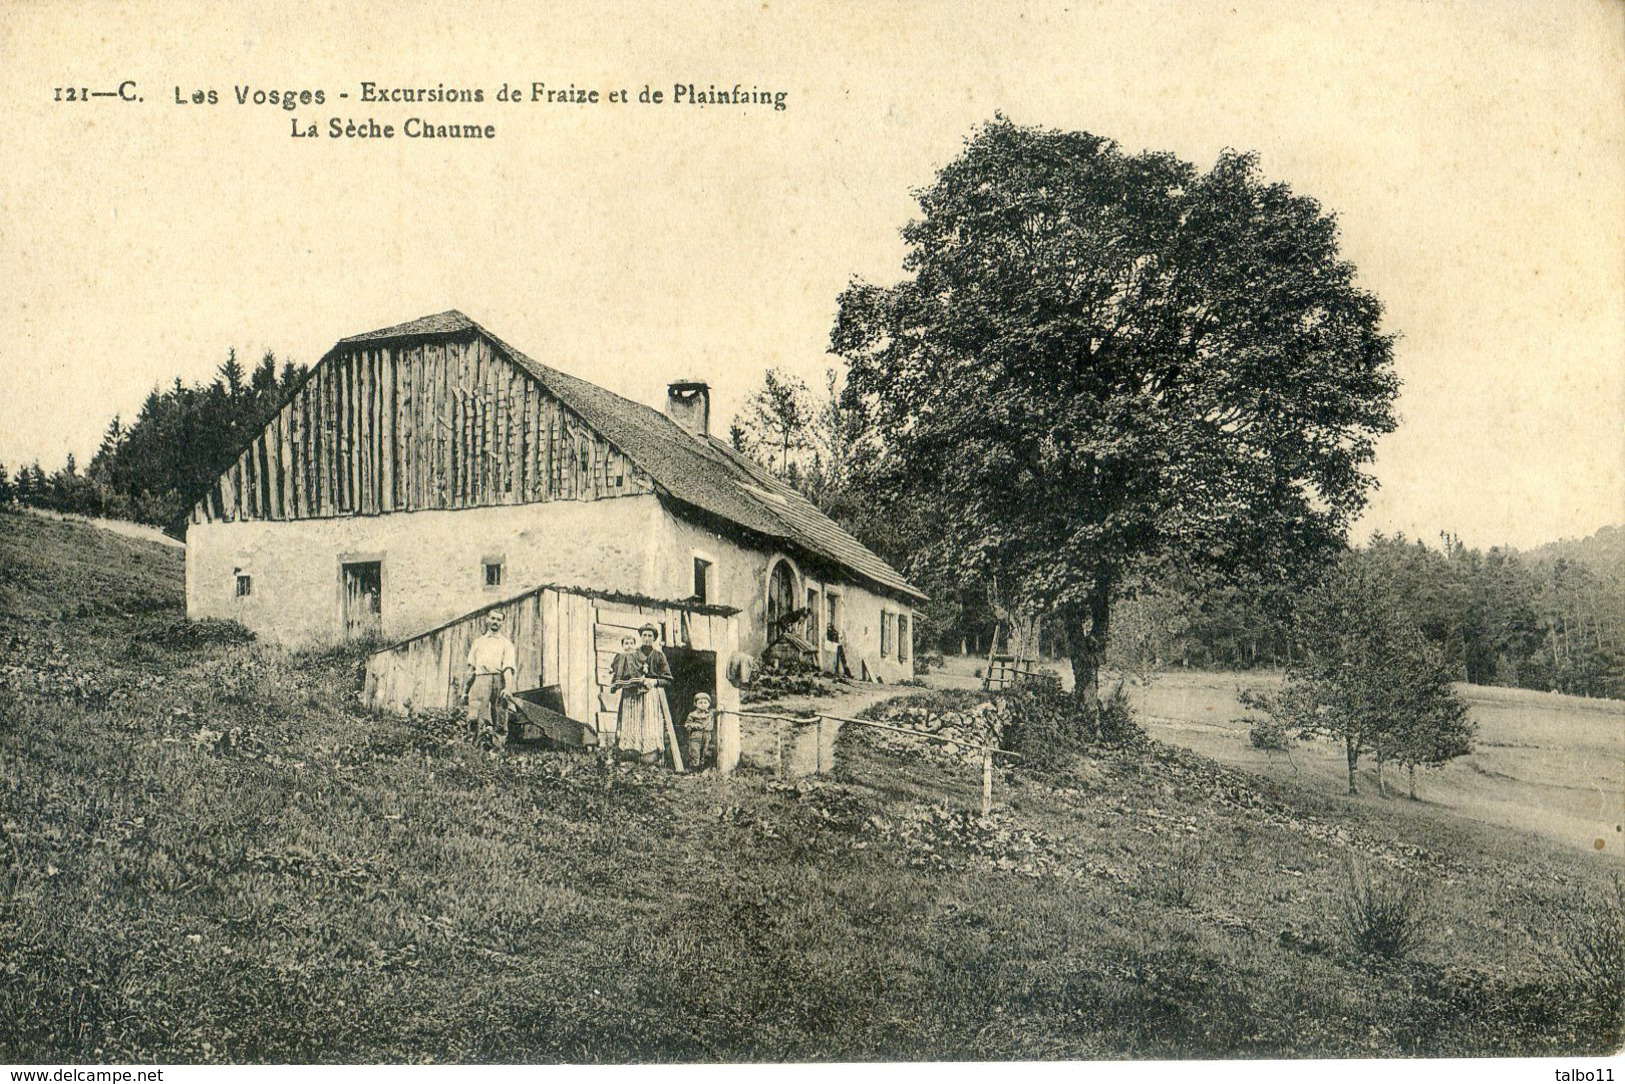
1413	782
1086	630
1352	748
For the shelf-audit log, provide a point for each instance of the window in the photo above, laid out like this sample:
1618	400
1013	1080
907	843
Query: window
833	633
245	584
903	645
702	580
885	633
363	598
493	571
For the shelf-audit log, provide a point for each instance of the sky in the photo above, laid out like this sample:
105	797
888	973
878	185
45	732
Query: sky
1474	154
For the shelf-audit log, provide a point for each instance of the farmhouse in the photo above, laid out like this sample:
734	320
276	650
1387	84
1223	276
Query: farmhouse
429	470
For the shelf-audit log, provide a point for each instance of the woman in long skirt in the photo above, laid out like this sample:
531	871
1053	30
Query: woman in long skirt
638	675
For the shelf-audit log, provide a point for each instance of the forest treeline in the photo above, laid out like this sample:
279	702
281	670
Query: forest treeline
153	469
1552	618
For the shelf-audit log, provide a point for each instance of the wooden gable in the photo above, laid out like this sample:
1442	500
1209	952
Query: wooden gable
403	426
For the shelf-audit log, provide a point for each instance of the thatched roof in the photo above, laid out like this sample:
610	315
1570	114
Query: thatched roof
703	473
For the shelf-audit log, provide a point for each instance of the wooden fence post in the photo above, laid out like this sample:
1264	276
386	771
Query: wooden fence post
987	780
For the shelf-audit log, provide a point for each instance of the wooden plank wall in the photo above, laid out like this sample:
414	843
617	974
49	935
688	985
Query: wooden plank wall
561	638
400	428
611	621
427	672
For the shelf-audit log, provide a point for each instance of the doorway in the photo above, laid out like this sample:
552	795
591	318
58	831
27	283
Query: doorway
692	672
363	589
781	600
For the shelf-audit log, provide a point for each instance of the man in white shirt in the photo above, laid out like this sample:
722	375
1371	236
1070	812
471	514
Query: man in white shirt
491	668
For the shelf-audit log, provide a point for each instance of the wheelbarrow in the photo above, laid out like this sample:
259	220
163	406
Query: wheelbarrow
539	718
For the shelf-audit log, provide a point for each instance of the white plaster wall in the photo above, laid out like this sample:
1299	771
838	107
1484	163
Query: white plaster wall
740	580
432	565
861	629
738	573
431	562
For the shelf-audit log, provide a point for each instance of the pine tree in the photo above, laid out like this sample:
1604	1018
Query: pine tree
231	373
39	487
264	379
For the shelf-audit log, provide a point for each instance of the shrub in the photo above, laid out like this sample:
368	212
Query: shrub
1046	725
345	660
771	685
1177	881
1590	949
180	634
1385	920
1115	723
1042	723
1270	735
924	663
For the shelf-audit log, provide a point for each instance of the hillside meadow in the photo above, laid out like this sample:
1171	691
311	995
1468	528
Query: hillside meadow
210	853
1542	762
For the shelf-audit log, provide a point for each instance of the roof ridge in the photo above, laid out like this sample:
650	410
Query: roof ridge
440	323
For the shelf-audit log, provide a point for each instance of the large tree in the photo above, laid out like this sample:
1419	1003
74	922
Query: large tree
1102	365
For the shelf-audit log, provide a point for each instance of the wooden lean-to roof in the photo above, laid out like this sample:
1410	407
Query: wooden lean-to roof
703	473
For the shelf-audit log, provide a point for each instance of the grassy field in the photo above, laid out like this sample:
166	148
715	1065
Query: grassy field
211	854
1542	762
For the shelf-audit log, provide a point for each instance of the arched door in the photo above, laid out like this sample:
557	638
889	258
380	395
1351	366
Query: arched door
781	597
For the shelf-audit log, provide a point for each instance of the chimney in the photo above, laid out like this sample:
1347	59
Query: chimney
688	403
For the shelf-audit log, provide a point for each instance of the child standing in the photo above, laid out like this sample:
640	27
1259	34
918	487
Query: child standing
626	674
699	728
